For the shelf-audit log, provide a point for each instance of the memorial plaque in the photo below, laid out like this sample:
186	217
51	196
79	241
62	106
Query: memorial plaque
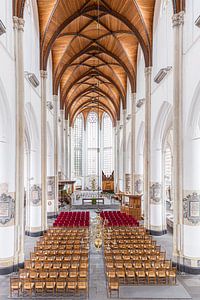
7	208
35	195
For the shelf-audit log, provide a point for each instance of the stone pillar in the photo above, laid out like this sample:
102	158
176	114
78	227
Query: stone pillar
84	157
118	158
62	117
186	220
52	181
147	146
33	205
157	199
133	141
43	76
66	148
115	157
124	150
70	156
101	154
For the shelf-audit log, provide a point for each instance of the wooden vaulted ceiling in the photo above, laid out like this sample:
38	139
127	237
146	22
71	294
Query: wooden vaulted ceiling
94	49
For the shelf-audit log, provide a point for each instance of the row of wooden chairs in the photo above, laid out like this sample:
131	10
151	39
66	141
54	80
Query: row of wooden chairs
30	287
143	276
131	256
57	265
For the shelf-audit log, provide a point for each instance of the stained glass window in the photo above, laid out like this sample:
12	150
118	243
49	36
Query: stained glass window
92	143
107	145
78	146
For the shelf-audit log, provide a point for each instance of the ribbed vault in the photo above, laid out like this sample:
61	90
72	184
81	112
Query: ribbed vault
94	48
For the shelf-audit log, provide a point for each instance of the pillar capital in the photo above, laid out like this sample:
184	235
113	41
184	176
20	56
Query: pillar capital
43	74
148	70
178	19
15	22
21	23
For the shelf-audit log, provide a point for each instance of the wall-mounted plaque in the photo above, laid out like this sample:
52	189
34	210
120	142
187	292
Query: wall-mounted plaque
156	192
51	188
7	208
139	186
191	208
36	195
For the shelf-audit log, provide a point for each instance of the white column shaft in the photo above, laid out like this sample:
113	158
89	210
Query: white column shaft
43	75
133	141
124	149
147	145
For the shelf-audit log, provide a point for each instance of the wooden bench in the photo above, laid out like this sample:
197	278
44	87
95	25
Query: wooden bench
89	200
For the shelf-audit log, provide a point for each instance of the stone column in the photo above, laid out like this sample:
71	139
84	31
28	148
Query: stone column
157	199
101	154
84	157
186	227
43	76
70	156
118	158
147	146
62	117
55	131
124	150
133	141
34	206
66	148
115	157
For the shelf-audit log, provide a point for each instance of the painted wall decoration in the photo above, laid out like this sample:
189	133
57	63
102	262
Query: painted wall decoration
191	208
7	208
156	193
36	195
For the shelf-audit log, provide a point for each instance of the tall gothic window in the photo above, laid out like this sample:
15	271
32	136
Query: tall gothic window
78	146
107	145
92	143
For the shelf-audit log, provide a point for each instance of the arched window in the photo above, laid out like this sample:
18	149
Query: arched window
92	143
107	145
78	146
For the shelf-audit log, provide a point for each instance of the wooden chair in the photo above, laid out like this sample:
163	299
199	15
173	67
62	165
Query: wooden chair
50	285
120	273
15	286
171	275
61	285
113	287
161	276
151	276
141	276
72	285
130	276
27	286
39	286
82	286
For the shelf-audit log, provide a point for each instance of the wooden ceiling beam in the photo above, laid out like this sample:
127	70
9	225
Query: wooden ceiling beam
84	51
45	51
69	103
92	73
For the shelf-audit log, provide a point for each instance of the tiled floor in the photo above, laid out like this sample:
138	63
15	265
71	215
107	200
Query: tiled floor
189	285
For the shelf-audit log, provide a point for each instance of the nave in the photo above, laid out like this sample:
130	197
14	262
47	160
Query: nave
95	270
100	112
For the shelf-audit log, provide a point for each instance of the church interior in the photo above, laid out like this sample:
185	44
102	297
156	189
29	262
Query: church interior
99	149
